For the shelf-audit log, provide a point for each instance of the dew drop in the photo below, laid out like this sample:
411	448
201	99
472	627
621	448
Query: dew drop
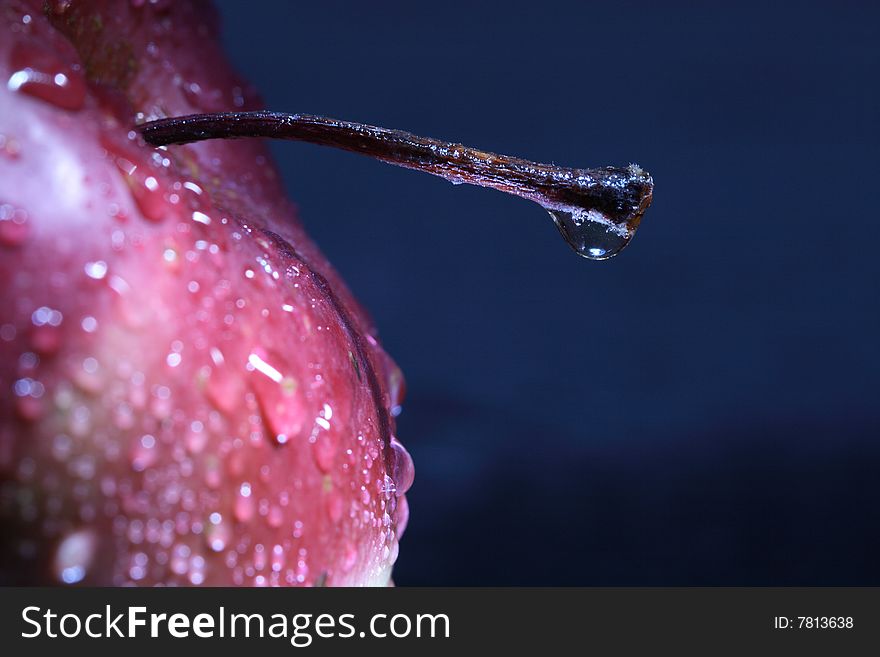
275	517
324	449
137	569
44	315
259	556
28	398
144	453
14	227
196	437
283	409
61	447
213	474
42	74
389	488
197	570
46	339
96	270
590	234
133	311
180	559
201	217
80	421
224	389
217	533
402	469
145	189
335	506
9	147
147	195
123	416
278	558
244	504
349	559
88	376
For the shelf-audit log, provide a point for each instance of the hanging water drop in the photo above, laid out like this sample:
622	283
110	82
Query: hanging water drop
590	234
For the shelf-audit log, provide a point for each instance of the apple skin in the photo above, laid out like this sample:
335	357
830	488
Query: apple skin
191	395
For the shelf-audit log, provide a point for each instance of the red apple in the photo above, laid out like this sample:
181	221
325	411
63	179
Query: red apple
190	393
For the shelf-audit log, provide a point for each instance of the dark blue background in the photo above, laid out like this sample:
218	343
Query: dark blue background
702	409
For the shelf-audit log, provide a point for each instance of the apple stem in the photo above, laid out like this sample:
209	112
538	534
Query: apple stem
612	197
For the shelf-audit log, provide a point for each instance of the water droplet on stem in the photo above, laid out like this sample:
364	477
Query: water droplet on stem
590	234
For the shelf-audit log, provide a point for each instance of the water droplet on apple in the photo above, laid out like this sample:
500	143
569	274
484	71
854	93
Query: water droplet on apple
217	532
41	74
144	453
9	147
395	552
88	376
29	398
402	468
324	449
146	186
213	472
196	572
302	568
388	487
350	556
590	234
95	270
14	226
278	558
275	517
45	340
223	388
260	556
279	398
74	556
147	195
244	503
401	516
196	437
132	309
80	421
137	568
45	335
335	505
180	559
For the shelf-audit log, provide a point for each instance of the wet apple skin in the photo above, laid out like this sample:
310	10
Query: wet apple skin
191	394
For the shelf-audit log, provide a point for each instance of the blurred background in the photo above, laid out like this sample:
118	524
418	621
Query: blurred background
702	409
